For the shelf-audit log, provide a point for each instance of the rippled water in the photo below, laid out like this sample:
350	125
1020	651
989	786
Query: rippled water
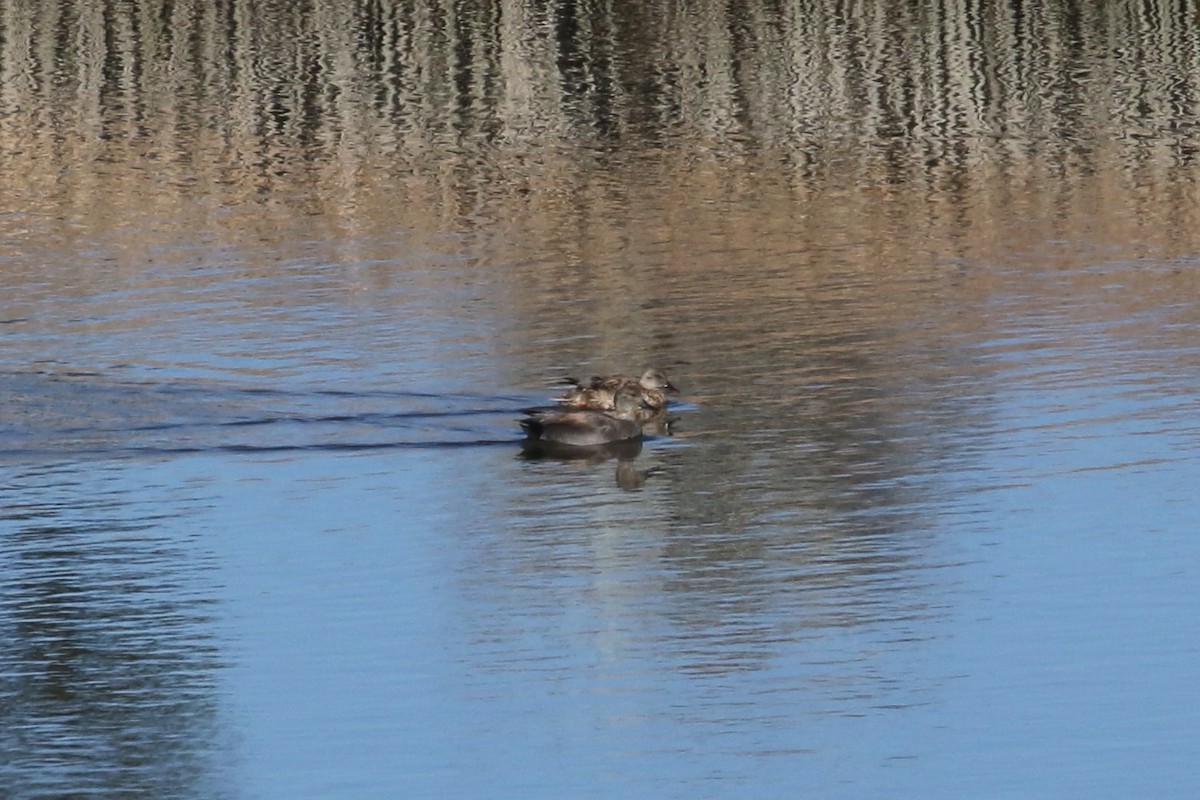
276	282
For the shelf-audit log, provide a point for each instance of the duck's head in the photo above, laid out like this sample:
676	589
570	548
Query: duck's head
654	378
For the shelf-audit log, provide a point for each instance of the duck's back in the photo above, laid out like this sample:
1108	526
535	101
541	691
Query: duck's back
583	428
600	392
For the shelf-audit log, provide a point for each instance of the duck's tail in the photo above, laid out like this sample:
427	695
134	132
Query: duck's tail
533	427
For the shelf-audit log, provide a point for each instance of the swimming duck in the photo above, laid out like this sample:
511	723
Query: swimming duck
587	427
599	392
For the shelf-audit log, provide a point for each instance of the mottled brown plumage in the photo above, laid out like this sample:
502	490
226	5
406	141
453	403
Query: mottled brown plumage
598	393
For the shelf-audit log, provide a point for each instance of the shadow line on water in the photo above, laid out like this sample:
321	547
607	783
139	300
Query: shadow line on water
27	454
369	419
22	454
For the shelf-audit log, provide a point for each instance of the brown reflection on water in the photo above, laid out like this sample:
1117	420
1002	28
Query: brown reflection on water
781	198
269	100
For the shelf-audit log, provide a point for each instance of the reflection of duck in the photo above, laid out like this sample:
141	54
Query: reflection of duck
586	427
599	392
628	476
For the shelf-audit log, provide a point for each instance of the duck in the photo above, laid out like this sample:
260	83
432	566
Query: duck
598	392
586	427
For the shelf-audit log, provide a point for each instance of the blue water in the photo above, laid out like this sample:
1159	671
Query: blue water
433	621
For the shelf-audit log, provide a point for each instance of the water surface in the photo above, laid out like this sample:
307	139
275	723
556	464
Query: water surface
276	282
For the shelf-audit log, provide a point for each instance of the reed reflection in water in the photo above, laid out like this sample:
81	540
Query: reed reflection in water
277	279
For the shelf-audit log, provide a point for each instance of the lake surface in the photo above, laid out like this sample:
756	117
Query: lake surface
276	281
